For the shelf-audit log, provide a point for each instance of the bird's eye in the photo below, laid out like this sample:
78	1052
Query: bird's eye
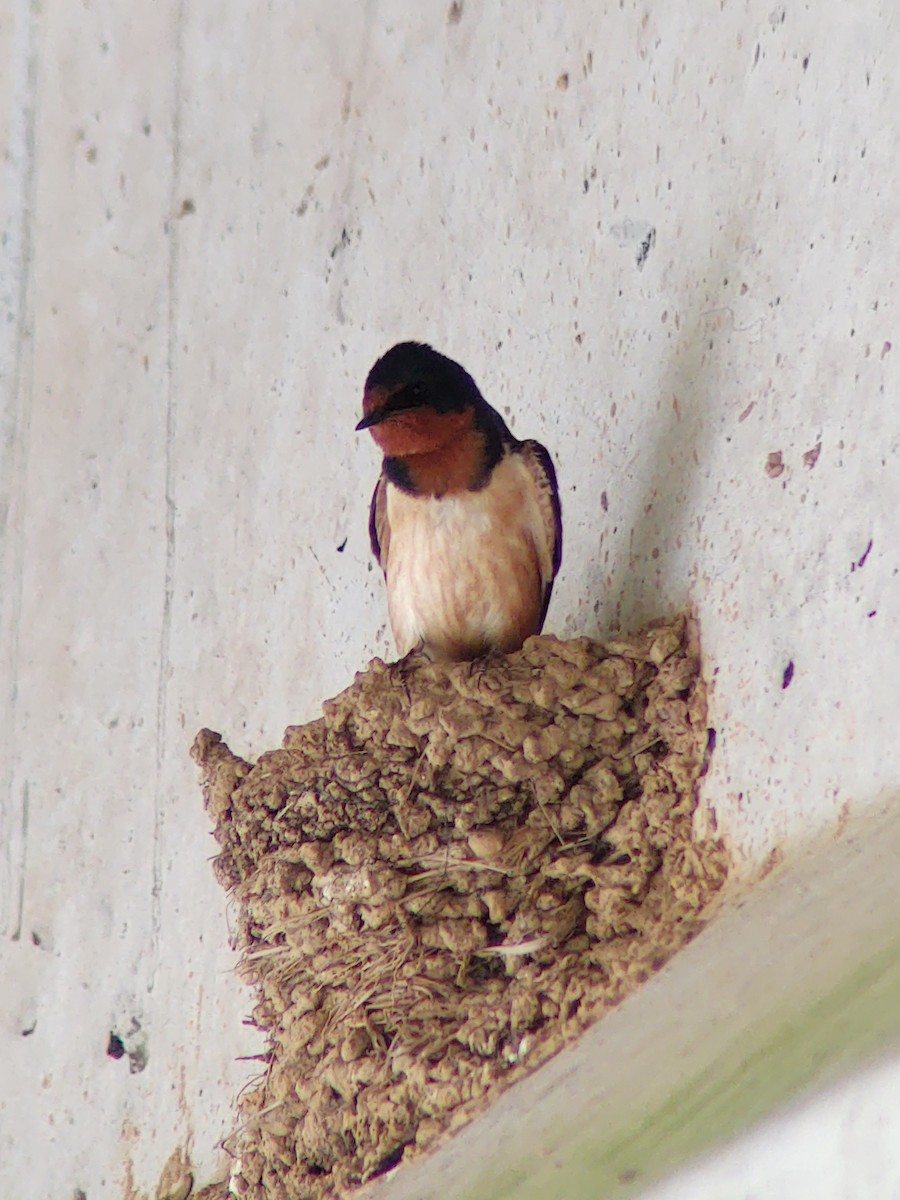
416	390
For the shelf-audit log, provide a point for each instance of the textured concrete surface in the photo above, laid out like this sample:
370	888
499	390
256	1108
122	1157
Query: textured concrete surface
660	237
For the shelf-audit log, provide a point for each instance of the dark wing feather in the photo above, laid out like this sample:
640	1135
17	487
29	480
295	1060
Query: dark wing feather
379	529
540	465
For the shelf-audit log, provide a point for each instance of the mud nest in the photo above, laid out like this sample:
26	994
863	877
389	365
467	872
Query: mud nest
445	879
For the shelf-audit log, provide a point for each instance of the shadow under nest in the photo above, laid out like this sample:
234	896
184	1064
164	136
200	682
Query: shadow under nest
445	879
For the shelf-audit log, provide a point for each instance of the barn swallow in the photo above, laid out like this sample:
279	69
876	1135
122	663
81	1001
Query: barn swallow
465	520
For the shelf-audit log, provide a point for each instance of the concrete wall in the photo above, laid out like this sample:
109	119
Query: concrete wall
661	236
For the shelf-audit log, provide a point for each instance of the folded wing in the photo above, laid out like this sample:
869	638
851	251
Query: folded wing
541	469
379	528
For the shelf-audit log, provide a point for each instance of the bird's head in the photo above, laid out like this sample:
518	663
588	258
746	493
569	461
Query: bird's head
416	401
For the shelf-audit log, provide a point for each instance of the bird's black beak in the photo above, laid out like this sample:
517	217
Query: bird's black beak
372	418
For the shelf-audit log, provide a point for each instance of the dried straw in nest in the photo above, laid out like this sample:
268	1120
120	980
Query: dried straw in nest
445	879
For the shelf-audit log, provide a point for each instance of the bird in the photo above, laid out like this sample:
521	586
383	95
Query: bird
465	520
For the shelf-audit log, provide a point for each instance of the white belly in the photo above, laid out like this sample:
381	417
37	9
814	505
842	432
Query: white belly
465	574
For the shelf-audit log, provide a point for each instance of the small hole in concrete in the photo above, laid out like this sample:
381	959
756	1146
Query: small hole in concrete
115	1047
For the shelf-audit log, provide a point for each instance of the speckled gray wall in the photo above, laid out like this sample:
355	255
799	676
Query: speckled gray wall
662	240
